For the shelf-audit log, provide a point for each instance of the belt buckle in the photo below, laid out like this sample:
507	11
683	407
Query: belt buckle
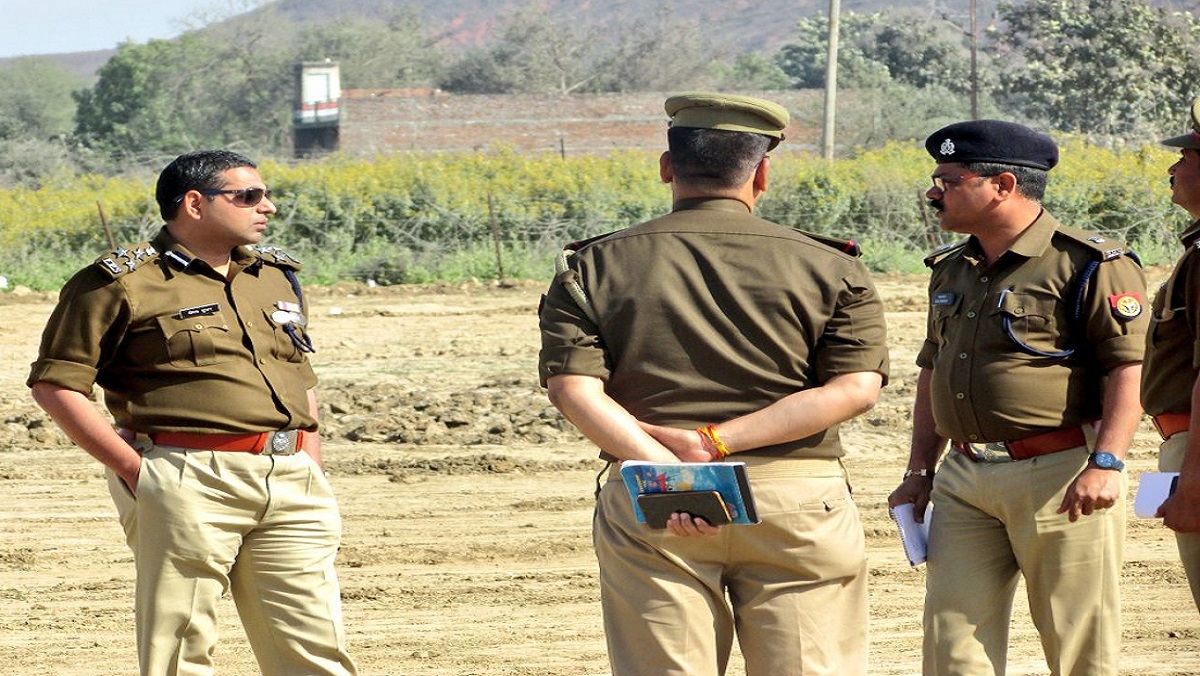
282	442
992	451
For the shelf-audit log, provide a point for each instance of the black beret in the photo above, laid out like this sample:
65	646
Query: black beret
992	141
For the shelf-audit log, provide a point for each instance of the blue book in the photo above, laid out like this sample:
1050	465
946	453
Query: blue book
727	478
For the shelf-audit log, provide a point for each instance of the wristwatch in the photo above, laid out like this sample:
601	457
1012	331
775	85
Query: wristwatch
918	472
1106	460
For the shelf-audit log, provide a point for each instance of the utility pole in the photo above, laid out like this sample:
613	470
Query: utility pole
974	63
971	30
831	78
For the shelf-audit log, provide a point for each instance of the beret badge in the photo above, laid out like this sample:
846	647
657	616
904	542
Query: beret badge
947	147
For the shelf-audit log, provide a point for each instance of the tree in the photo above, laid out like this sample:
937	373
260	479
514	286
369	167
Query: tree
908	47
533	55
650	53
1116	68
804	59
37	101
539	54
922	52
751	72
396	52
139	102
230	86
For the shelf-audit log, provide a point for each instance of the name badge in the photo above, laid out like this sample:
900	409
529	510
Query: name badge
944	298
198	311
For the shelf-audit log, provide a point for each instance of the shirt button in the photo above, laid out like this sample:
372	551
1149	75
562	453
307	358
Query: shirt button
962	355
985	280
198	327
971	314
262	361
960	395
973	437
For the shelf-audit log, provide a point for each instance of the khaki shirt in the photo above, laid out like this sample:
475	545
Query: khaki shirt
985	386
175	346
1173	341
710	313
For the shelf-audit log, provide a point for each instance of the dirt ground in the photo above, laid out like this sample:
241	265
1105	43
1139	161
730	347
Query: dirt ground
467	505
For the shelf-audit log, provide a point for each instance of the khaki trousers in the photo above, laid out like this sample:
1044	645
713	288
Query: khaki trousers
264	528
793	588
993	522
1170	459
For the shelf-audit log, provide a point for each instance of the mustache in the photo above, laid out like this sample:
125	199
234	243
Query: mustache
936	204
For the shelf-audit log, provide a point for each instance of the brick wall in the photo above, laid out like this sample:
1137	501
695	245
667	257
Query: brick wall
382	121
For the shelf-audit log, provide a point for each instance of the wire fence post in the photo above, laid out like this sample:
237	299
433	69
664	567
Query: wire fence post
496	237
112	241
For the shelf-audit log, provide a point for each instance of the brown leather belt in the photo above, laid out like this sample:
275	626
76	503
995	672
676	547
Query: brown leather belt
283	442
1023	449
1171	423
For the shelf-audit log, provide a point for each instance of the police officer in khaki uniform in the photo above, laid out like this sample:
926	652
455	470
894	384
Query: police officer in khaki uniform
1029	368
1171	372
706	332
198	341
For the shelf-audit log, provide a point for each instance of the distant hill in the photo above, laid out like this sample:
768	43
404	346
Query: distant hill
83	64
731	26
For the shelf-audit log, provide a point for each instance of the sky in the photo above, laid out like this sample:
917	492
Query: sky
35	27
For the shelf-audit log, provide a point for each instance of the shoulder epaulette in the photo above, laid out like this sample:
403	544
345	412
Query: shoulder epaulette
846	246
569	279
122	261
1104	248
577	245
275	256
942	252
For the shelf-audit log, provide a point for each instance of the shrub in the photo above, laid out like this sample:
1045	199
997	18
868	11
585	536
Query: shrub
404	218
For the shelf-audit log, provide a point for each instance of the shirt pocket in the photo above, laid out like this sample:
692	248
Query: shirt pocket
1031	322
1163	317
944	307
196	341
1169	329
282	345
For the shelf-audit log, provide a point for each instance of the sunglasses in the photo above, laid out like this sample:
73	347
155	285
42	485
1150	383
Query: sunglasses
943	182
243	197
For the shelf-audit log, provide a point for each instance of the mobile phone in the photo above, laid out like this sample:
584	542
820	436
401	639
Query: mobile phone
707	505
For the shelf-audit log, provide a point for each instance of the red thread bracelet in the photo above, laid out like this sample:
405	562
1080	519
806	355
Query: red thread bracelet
712	442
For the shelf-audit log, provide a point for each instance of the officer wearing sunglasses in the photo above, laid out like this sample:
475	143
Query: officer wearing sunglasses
242	197
198	341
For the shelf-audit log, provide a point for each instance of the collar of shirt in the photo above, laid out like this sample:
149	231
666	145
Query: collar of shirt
1191	235
714	203
1031	243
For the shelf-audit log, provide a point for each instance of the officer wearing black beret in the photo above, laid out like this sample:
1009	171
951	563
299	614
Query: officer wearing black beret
709	334
1029	370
